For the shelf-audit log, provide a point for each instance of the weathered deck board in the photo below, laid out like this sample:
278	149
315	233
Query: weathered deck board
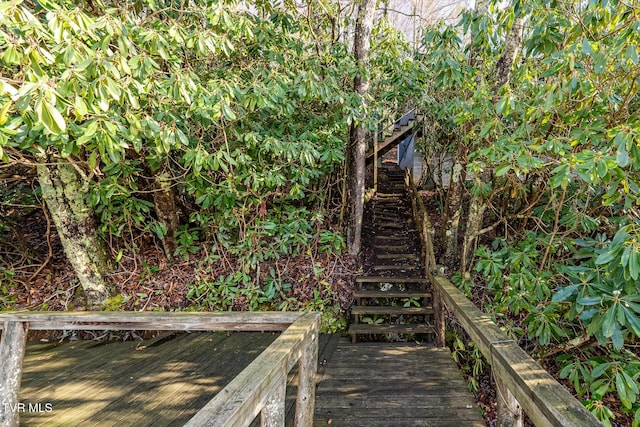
399	384
115	384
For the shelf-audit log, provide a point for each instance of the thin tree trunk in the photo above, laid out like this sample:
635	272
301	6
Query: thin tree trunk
64	193
453	206
164	201
479	205
358	143
512	45
477	208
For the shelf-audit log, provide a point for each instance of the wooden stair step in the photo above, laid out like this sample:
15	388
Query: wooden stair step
391	237
396	267
390	219
363	328
389	195
381	279
366	293
394	231
398	248
400	232
390	225
399	235
395	216
391	209
386	310
397	256
392	215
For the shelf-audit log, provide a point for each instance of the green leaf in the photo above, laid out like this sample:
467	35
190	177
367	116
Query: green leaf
632	321
600	369
589	300
609	324
586	46
563	293
503	169
50	117
622	157
616	338
93	160
634	265
80	107
632	54
631	384
89	131
621	387
600	63
502	107
4	113
604	258
228	112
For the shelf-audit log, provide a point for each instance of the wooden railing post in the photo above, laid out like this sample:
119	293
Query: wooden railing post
272	414
438	318
509	410
375	162
306	399
12	346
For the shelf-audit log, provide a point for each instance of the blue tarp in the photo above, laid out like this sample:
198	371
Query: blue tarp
406	150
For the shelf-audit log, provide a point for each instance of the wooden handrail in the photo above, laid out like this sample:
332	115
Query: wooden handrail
522	384
260	388
542	398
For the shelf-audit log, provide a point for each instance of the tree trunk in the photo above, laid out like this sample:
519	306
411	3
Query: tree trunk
358	143
64	193
166	211
478	205
512	45
453	206
477	208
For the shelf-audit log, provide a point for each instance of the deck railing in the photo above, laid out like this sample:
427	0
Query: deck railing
522	384
259	389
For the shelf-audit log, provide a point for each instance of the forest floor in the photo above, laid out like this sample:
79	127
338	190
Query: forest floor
36	275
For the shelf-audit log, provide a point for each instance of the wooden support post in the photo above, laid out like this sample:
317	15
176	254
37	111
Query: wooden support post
272	414
375	162
438	318
306	399
12	346
509	410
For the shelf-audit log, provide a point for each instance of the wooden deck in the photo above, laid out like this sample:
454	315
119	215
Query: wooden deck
393	384
157	382
166	380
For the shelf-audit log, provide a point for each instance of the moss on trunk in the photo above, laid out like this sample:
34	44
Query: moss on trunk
64	192
164	201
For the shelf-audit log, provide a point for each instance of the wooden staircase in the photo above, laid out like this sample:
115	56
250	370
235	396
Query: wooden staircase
405	126
392	300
